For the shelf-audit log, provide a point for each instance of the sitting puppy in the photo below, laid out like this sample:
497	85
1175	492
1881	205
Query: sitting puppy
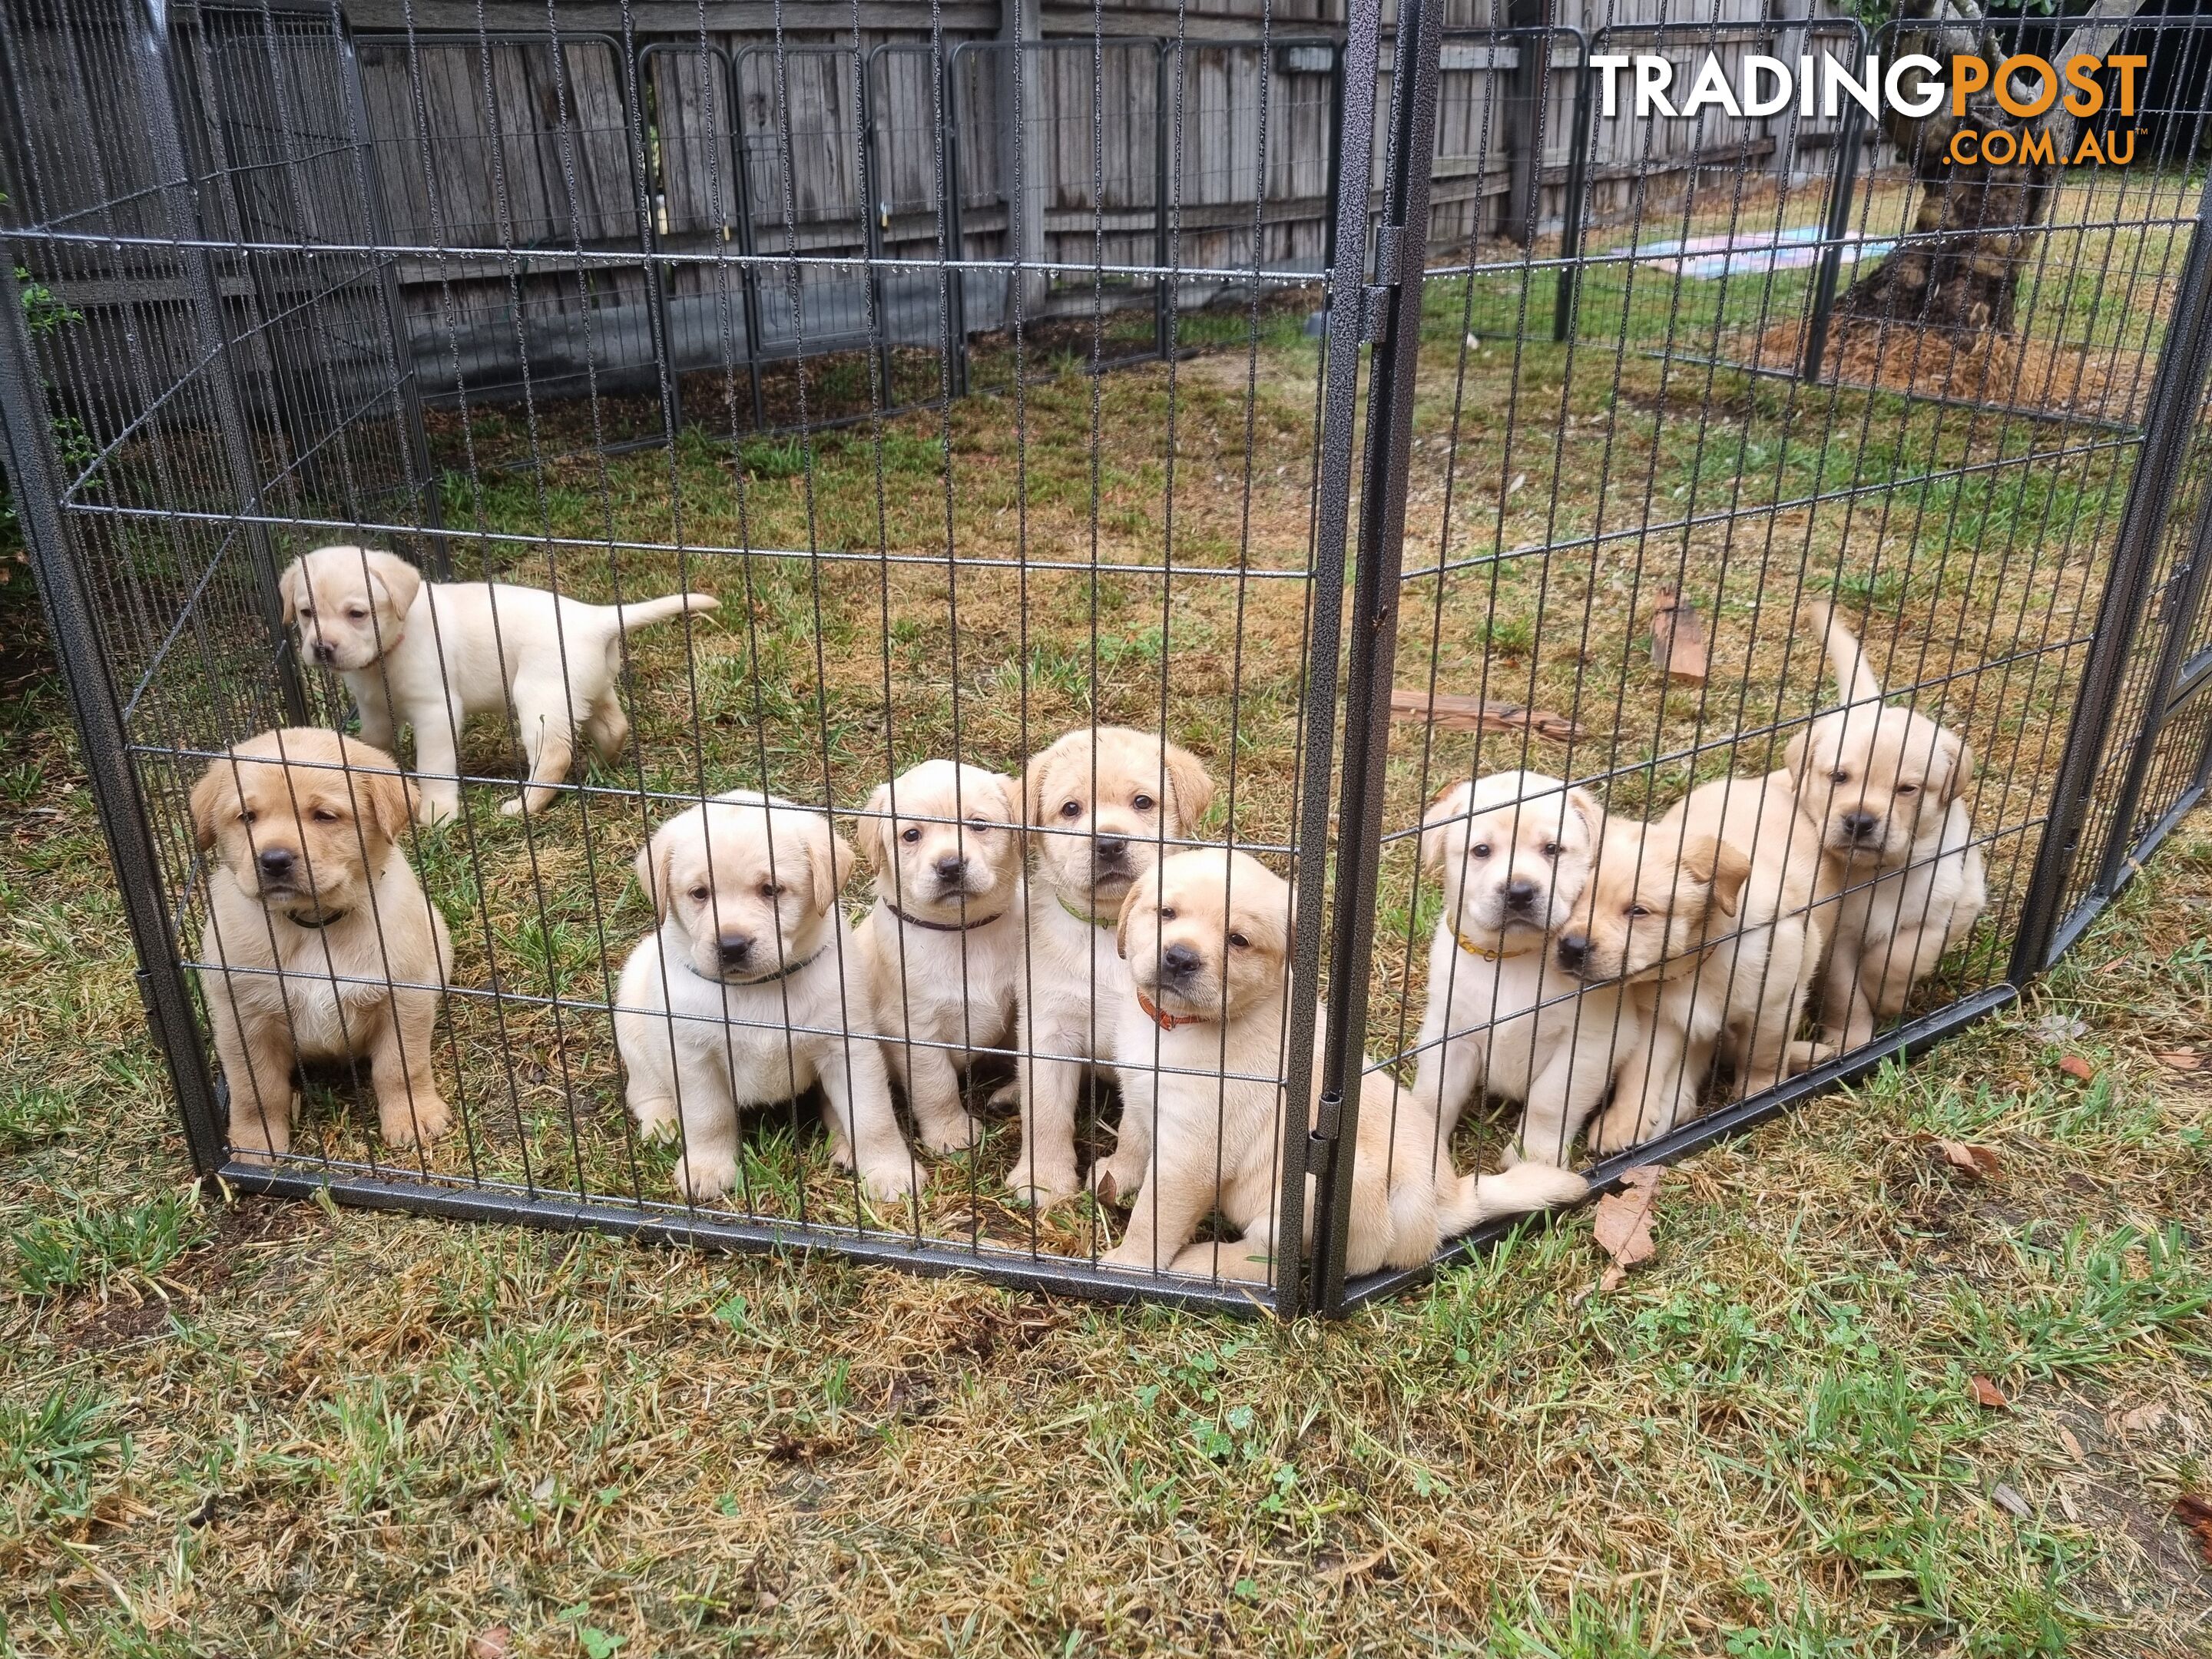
1717	946
319	943
944	943
751	991
1103	803
1513	851
1882	790
429	654
1206	938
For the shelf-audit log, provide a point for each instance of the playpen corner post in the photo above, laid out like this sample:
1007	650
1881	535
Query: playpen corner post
1390	316
632	71
1836	224
34	473
1571	223
1163	185
954	243
2177	394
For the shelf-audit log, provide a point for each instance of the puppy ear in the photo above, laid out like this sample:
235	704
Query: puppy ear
1721	867
874	833
1962	772
1795	756
1450	804
1131	902
401	581
1593	815
652	868
388	796
206	797
830	864
1035	776
289	587
1190	788
1012	789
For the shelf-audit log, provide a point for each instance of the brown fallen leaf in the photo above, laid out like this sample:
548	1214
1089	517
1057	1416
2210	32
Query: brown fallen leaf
1343	1573
2181	1060
1987	1393
2075	1066
1970	1159
1458	713
1622	1225
2010	1501
2197	1515
493	1641
2073	1446
1678	640
2143	1419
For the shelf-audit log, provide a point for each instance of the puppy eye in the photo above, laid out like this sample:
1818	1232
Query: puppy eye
769	889
1072	810
1908	788
1142	803
357	614
249	816
1167	913
1638	910
323	815
307	612
699	894
1552	849
1480	849
1839	777
1239	941
980	823
910	836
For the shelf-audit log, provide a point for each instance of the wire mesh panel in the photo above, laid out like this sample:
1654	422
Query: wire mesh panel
641	672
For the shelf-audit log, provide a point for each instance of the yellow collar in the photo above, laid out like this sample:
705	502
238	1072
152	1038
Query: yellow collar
1487	953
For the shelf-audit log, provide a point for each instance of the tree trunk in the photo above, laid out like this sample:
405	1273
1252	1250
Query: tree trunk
1975	226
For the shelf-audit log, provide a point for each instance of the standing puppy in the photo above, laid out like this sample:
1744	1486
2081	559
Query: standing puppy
320	943
751	992
1103	803
1207	941
944	943
429	654
1883	791
1513	851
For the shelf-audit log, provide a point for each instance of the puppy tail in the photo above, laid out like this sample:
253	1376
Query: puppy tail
1855	675
646	612
1516	1191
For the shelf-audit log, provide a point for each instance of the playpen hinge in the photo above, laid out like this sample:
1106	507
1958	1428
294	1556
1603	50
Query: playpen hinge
1328	1118
1375	297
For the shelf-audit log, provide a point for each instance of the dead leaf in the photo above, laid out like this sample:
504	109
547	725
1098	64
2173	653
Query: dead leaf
1987	1393
1678	640
1456	712
2181	1060
1970	1159
1622	1225
2197	1515
2075	1066
2010	1501
1343	1573
2143	1419
493	1641
2073	1446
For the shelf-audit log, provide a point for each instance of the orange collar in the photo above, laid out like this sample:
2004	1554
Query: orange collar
1487	953
1161	1017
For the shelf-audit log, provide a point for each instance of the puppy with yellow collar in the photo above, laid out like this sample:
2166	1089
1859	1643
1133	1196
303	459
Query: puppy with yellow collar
1513	852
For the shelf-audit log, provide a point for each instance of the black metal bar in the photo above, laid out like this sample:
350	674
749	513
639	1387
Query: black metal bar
33	474
1162	327
1401	252
876	209
638	153
748	271
955	284
171	154
2177	393
1570	228
1841	186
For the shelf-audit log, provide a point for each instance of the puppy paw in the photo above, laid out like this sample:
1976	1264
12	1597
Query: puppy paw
889	1181
1616	1132
435	806
1043	1189
1117	1180
1139	1260
1804	1056
954	1134
255	1137
1006	1095
656	1119
706	1178
416	1122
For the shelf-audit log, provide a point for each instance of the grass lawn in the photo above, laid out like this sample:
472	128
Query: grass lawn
264	1428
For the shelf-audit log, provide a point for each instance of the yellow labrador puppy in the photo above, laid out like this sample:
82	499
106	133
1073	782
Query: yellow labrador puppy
1200	1049
944	942
1514	850
1103	803
1883	790
751	992
429	654
319	943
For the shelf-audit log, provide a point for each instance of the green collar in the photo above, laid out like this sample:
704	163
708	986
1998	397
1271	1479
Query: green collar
1083	917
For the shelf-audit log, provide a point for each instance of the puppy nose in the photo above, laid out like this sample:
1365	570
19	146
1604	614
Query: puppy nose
1861	826
1574	950
325	651
733	949
1179	961
952	867
275	861
1522	894
1111	848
